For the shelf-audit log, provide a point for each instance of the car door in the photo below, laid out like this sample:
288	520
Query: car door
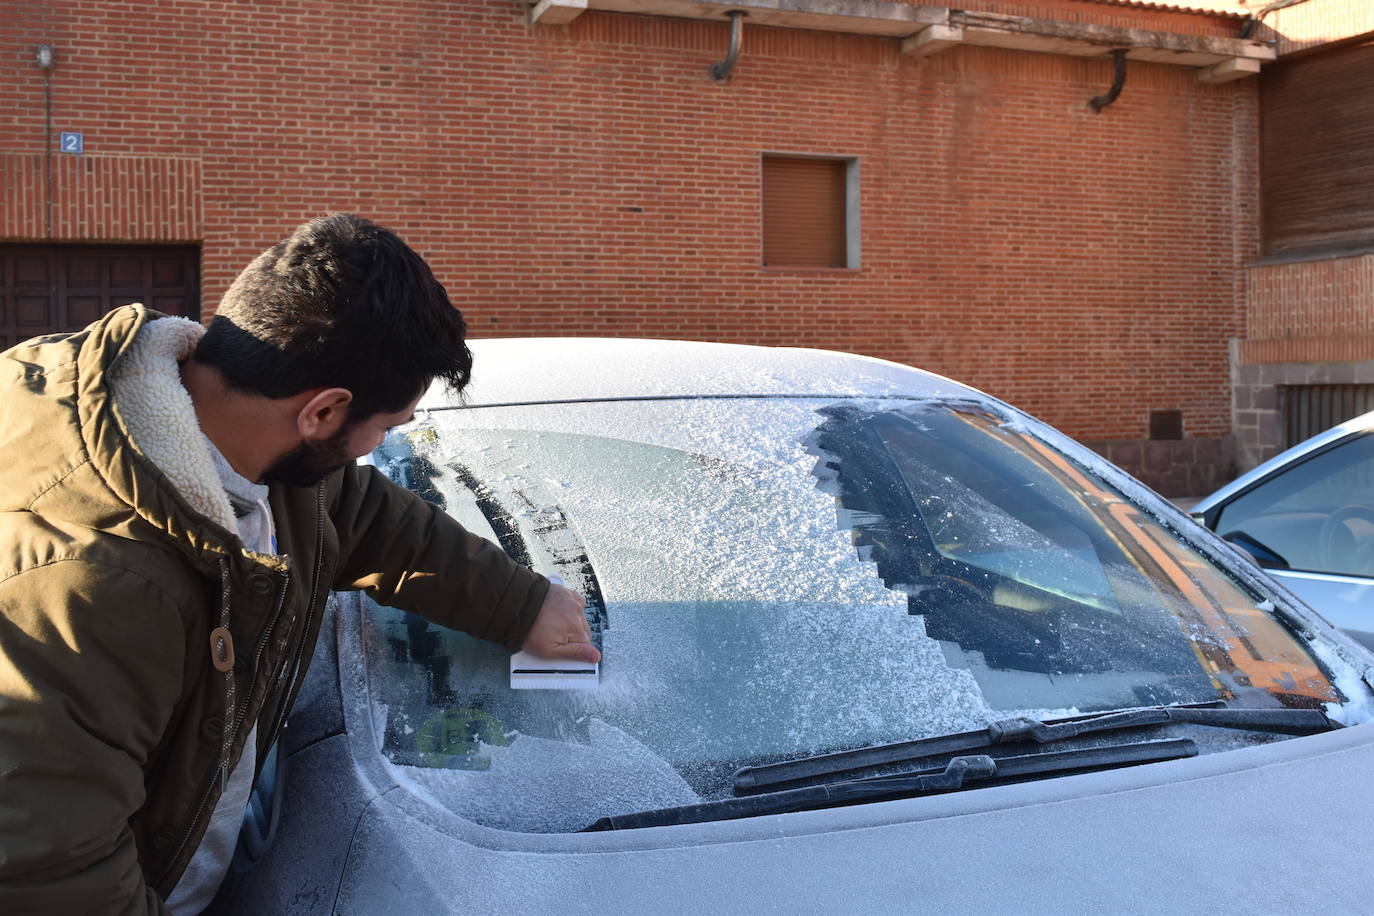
1310	523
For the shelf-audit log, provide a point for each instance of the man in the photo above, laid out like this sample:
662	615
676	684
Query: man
175	505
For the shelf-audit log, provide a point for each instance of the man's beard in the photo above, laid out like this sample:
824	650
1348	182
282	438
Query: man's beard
309	463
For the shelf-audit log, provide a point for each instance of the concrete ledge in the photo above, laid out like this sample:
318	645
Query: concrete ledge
1023	33
930	29
932	40
557	12
1227	71
861	17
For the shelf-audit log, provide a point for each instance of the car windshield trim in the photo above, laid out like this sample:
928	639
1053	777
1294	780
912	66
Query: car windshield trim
1318	576
934	397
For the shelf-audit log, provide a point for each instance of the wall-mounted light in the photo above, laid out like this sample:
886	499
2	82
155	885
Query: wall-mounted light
44	56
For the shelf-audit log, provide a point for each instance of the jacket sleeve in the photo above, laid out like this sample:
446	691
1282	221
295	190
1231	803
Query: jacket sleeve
88	679
411	555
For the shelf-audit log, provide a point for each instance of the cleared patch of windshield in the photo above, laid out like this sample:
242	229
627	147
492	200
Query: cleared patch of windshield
775	578
1030	573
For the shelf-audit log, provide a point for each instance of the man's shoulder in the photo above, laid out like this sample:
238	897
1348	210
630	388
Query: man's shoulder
36	547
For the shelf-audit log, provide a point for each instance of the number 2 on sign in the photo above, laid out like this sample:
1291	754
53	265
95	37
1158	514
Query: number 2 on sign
71	142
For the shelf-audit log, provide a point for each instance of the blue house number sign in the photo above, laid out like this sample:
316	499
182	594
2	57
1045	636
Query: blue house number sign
72	142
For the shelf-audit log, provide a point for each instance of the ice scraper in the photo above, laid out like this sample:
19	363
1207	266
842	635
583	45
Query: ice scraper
531	672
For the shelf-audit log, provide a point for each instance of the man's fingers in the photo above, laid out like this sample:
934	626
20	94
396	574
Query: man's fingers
560	630
581	651
578	651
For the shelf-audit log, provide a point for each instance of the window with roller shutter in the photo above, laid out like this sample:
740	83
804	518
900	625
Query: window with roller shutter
809	212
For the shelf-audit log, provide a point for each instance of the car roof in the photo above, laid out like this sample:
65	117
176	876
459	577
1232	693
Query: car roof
537	370
1362	423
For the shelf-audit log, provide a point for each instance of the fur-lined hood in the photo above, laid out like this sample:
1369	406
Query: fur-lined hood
162	424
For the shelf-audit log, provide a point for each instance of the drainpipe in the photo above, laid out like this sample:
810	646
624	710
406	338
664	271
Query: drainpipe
1118	80
720	71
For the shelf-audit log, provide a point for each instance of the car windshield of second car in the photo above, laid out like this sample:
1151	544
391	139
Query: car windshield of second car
773	578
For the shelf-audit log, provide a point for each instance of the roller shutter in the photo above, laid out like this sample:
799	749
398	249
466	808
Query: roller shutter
1317	152
803	212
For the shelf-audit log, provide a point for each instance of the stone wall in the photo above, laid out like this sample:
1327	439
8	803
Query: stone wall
1181	468
1256	418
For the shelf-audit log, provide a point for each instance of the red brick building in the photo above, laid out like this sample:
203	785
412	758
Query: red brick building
918	183
1305	358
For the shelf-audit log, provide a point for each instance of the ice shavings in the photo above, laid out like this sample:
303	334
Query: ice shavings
1349	678
536	785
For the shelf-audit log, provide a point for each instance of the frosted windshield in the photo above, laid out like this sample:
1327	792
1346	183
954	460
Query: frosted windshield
776	577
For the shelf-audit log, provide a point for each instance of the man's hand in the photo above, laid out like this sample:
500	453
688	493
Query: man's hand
560	629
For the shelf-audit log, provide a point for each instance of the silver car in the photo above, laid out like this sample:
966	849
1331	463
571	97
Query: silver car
1307	518
872	642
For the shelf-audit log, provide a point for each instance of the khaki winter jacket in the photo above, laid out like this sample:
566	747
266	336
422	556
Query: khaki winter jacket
117	560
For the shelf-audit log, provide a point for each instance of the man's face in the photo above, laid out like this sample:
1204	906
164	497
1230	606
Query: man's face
310	461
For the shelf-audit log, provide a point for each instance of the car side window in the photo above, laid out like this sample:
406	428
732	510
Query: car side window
1317	516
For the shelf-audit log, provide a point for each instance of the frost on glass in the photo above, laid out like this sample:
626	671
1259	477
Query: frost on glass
769	579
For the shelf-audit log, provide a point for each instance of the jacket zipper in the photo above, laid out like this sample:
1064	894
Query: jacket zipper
242	714
309	616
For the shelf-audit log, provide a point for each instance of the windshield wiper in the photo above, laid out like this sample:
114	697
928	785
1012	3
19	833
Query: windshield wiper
1010	731
954	775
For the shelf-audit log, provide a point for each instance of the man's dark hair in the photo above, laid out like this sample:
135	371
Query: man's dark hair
341	303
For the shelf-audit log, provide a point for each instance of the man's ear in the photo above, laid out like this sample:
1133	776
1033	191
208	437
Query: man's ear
324	413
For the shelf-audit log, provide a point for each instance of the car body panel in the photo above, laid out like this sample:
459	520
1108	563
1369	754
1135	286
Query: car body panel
1346	601
1278	826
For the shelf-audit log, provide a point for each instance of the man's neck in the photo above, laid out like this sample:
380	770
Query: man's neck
243	427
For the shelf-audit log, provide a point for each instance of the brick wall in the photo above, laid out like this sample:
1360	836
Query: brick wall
1308	323
101	197
592	179
1309	311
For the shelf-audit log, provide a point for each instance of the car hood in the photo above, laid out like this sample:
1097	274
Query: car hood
1265	828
